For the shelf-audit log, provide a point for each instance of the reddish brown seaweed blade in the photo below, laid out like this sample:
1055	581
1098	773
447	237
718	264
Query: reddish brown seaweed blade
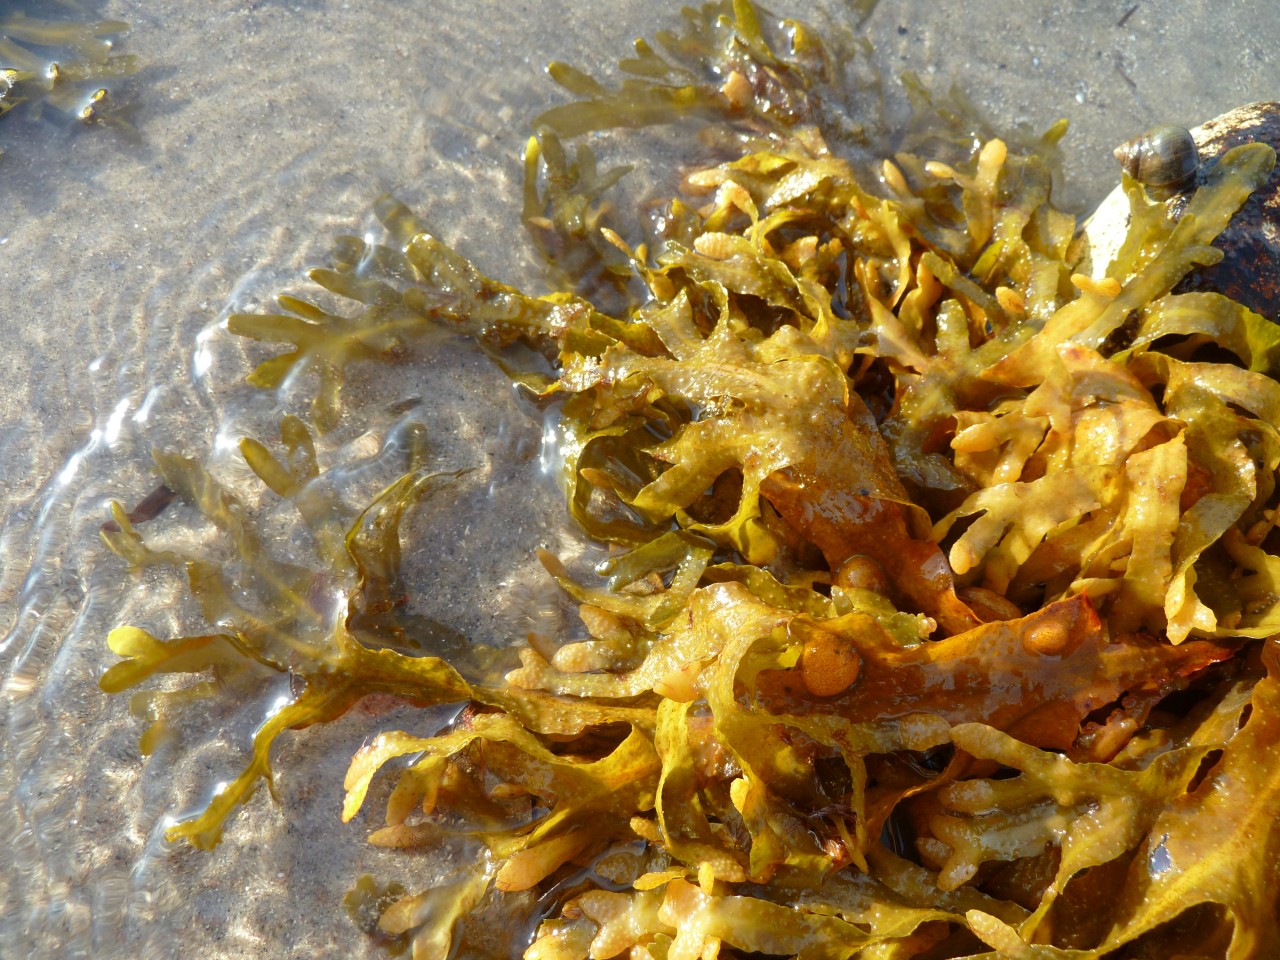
148	508
842	524
1036	678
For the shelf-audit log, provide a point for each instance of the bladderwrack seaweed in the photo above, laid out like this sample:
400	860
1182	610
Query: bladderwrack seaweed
942	575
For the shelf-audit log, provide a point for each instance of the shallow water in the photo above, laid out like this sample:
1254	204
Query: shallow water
267	128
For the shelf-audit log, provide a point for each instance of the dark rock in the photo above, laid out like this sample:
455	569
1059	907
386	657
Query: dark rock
1250	268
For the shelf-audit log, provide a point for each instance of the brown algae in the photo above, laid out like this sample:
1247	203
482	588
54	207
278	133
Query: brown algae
62	64
1036	722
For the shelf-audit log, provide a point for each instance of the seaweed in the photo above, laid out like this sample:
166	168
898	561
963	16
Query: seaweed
921	545
58	63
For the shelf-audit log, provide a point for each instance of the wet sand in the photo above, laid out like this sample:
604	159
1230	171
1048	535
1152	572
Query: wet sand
268	128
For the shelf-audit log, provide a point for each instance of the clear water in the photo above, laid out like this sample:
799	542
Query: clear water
267	128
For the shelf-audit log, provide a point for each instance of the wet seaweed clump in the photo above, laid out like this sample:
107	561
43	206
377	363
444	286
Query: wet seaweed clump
59	63
939	615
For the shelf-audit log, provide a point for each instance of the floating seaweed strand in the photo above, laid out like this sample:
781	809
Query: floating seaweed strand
53	65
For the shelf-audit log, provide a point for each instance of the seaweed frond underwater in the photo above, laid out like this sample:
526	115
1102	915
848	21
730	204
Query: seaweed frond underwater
56	65
938	619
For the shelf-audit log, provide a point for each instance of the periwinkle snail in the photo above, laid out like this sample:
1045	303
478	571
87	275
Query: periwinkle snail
1249	271
1164	160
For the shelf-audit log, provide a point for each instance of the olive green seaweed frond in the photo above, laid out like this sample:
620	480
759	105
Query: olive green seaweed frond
62	63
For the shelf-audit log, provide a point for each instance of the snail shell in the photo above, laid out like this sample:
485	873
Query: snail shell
1250	270
1164	160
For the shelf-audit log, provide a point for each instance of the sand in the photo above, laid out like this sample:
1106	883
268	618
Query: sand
266	129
